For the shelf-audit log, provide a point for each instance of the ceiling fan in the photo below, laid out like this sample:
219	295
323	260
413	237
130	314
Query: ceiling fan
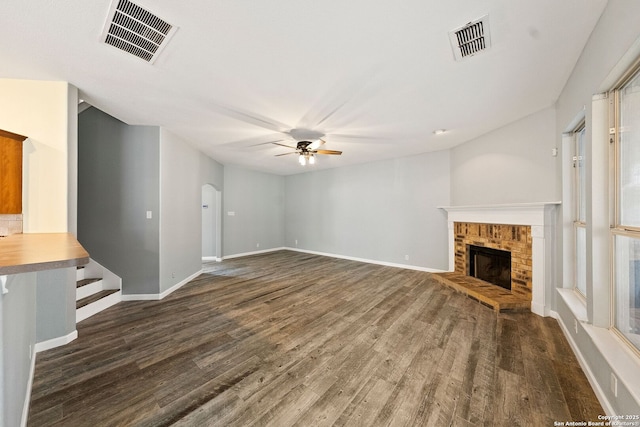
307	151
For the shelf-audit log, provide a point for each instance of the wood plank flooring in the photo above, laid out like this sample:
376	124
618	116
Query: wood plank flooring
287	338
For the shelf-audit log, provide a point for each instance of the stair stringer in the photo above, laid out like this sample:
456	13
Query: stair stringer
109	279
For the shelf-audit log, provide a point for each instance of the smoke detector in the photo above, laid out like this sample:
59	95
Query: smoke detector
470	39
136	31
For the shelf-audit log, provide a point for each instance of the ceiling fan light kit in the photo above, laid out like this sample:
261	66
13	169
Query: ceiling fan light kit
305	159
307	151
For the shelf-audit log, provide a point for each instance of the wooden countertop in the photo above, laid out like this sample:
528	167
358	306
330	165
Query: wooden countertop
21	253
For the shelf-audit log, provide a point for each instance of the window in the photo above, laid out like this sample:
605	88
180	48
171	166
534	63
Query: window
579	224
626	230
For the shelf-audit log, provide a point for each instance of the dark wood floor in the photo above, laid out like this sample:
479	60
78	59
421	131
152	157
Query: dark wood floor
294	339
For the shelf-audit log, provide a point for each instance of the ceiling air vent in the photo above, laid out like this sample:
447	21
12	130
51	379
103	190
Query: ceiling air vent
470	39
135	30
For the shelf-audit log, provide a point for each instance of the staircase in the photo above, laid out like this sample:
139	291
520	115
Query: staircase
96	289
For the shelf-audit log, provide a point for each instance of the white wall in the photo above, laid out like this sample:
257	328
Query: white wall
183	172
257	199
180	216
512	164
40	110
381	211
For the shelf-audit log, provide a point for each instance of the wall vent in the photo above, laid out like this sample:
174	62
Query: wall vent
135	30
471	38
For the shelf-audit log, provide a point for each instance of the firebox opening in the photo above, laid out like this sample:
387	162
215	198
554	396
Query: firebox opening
490	265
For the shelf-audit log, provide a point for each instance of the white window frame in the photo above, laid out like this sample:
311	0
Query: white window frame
619	229
579	190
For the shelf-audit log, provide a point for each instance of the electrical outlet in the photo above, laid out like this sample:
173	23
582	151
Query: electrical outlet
614	385
296	242
575	325
406	257
30	352
257	245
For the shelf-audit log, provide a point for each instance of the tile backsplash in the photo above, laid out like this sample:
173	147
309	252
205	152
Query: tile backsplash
10	224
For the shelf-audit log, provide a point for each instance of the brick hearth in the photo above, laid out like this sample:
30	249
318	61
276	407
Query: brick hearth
495	297
513	238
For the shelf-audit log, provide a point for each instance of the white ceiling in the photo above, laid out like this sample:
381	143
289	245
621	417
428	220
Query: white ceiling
375	77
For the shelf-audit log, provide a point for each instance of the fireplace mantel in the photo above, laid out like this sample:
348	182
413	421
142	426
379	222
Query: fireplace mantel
542	219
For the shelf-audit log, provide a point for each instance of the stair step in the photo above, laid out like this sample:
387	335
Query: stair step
95	297
85	282
88	287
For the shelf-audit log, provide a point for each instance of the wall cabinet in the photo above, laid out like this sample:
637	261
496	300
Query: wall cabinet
11	172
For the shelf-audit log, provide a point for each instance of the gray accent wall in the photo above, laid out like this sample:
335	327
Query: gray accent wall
381	211
118	183
257	201
183	171
512	164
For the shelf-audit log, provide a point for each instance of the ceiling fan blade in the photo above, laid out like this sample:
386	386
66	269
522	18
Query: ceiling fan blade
283	145
328	152
316	144
284	154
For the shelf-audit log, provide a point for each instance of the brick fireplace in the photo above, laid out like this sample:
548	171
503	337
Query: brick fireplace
526	230
515	239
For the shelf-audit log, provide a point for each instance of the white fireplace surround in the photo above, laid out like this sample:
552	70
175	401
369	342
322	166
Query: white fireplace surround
542	219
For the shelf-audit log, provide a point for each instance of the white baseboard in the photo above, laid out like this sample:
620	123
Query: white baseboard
141	297
369	261
602	397
55	342
27	397
157	297
263	251
180	284
540	309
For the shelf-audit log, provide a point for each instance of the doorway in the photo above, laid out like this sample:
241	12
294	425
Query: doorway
211	223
